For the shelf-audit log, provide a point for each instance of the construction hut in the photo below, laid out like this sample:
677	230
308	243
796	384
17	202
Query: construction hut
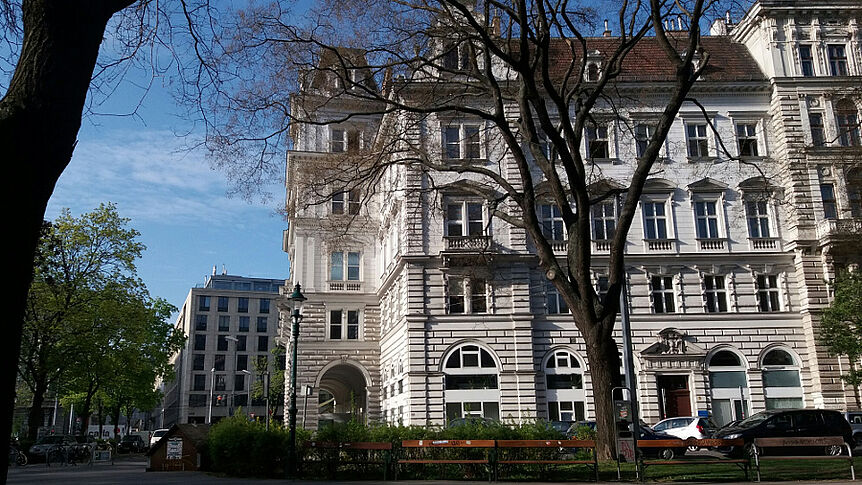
179	449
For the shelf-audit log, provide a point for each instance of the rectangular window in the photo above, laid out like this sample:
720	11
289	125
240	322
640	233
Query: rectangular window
706	219
767	293
565	411
239	382
597	141
662	294
547	146
344	262
201	322
220	382
242	305
241	342
643	134
243	324
200	342
336	141
715	293
221	343
727	379
478	296
655	220
264	305
602	285
806	61
203	303
352	325
263	343
261	324
781	378
837	60
554	303
344	324
756	212
462	142
218	362
198	361
830	205
224	323
345	202
551	220
818	132
848	127
197	400
465	219
222	303
466	295
604	215
746	139
455	296
199	383
697	141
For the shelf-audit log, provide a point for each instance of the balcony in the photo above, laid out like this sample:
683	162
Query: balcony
346	286
479	243
660	245
764	244
712	244
844	228
602	245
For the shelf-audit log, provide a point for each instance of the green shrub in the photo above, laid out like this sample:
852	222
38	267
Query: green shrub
240	447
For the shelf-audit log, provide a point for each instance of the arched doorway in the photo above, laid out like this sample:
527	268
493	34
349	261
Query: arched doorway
782	385
342	394
564	382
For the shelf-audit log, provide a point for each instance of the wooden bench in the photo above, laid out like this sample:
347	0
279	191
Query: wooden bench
360	453
426	452
506	446
742	463
805	442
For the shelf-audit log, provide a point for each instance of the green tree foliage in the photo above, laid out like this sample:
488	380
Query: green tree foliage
841	326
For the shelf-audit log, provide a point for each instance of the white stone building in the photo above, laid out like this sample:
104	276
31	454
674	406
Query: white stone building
421	309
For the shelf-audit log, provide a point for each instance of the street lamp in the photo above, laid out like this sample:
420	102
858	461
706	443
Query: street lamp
212	387
295	301
248	399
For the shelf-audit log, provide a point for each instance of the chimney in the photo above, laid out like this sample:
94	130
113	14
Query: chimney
495	24
607	32
214	270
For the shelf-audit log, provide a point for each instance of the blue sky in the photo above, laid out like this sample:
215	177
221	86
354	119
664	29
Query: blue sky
172	197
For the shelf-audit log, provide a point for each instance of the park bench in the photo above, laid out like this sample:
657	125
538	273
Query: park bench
358	454
742	463
440	452
823	443
551	453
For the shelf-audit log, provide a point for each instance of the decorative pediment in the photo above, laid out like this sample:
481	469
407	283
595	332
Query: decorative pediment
659	186
674	343
707	184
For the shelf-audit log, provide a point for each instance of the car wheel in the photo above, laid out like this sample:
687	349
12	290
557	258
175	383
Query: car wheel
667	454
833	450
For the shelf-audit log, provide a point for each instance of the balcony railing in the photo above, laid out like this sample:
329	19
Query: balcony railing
601	245
712	244
559	246
764	244
850	226
351	286
660	245
467	243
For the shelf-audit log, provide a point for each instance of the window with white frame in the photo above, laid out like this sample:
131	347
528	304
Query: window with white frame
456	56
551	220
643	134
663	295
602	285
471	386
768	292
655	219
343	324
782	384
466	295
554	303
847	121
564	381
757	216
830	204
345	202
345	265
728	384
604	216
547	146
818	131
344	140
598	145
714	293
746	139
462	141
706	219
806	60
465	218
837	56
697	140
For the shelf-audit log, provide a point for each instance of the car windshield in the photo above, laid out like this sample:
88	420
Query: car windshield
754	420
130	438
159	433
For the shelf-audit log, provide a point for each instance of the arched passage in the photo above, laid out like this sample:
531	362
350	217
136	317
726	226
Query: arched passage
343	393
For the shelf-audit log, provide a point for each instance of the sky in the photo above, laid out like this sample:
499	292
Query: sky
172	197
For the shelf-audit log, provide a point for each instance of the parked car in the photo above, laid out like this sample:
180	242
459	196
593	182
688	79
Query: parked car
42	445
471	420
561	426
789	423
131	443
646	433
686	427
855	420
157	435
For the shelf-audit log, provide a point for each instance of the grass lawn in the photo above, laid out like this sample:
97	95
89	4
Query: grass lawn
827	469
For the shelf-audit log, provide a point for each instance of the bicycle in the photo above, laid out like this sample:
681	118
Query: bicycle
60	455
17	457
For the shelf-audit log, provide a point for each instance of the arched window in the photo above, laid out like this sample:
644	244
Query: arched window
782	385
728	386
847	120
471	383
564	380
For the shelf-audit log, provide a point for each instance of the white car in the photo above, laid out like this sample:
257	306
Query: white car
686	427
157	435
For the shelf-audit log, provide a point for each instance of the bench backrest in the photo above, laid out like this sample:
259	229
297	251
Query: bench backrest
546	444
701	443
356	445
447	444
803	441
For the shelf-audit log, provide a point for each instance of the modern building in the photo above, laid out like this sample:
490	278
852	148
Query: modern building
422	308
231	323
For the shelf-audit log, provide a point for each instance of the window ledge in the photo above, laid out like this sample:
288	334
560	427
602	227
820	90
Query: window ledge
703	159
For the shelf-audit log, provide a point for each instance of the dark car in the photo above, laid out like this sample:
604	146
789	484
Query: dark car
131	443
789	423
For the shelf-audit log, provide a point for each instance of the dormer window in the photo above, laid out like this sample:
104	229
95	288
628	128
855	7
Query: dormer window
592	72
456	57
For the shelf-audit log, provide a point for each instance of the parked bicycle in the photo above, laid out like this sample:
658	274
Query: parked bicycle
16	456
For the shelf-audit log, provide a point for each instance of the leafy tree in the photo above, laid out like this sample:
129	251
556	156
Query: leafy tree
276	380
841	327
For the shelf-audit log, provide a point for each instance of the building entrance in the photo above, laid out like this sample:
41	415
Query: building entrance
343	395
674	396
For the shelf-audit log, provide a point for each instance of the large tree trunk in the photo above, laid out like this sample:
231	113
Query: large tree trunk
40	116
604	363
35	418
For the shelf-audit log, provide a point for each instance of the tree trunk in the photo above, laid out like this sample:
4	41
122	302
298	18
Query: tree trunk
40	116
604	366
35	417
100	417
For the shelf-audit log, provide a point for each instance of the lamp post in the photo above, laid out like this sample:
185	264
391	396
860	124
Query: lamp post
212	387
295	301
266	395
248	390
